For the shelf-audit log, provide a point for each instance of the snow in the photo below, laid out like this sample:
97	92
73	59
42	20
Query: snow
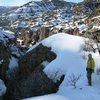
12	16
40	21
81	26
45	63
67	48
1	61
96	27
6	35
13	63
49	97
70	61
60	42
9	32
21	24
2	88
97	17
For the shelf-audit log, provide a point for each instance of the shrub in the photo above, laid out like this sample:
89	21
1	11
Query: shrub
73	79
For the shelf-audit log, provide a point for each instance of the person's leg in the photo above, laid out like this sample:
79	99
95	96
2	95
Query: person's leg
90	83
89	77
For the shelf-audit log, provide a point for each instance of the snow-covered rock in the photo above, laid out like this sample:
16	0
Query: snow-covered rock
9	53
70	61
67	48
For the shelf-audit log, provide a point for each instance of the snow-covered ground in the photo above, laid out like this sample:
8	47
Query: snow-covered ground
71	62
49	97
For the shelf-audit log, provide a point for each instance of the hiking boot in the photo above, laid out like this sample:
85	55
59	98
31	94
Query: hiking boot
90	84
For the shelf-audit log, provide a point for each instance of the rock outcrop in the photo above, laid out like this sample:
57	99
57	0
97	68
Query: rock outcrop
8	50
4	60
29	79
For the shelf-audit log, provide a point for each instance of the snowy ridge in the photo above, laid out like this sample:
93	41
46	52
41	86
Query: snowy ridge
31	9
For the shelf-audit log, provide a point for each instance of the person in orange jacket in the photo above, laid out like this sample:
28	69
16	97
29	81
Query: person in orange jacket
90	69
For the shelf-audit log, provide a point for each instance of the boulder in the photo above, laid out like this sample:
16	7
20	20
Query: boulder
29	79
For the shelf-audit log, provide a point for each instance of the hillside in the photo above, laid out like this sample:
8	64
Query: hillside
31	9
44	47
4	9
95	13
36	17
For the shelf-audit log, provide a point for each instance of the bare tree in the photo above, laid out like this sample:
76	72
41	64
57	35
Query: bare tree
73	79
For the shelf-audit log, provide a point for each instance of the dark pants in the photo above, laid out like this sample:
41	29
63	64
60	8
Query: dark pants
89	76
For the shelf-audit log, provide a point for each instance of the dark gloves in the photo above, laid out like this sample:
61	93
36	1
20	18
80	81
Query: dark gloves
90	70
